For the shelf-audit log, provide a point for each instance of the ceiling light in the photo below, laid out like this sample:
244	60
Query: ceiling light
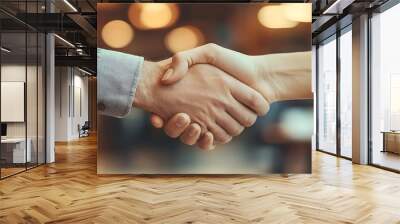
337	7
64	41
84	71
300	12
70	5
183	38
273	17
117	34
5	50
153	15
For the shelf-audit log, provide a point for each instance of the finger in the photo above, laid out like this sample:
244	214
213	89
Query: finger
230	125
182	61
241	113
177	124
206	142
165	63
177	69
220	135
191	135
156	121
235	63
249	97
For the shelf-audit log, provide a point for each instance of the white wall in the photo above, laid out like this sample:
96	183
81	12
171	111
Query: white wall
70	83
17	72
33	126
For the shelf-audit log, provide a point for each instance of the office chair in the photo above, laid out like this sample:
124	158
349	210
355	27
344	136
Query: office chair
84	130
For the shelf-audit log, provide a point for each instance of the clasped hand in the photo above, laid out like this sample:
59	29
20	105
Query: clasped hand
209	94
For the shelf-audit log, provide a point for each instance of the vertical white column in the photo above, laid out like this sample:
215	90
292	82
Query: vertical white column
360	90
50	93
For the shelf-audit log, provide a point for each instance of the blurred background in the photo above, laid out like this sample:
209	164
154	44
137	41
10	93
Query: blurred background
279	142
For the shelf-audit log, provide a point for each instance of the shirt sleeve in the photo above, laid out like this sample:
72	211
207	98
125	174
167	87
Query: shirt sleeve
117	77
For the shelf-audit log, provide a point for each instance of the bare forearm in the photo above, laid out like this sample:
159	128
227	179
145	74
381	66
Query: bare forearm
287	74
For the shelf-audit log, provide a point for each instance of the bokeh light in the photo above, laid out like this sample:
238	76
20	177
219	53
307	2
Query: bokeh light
273	16
300	12
117	34
153	15
184	38
296	123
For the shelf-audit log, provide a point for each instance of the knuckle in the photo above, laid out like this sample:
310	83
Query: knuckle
211	46
210	50
201	118
255	102
177	57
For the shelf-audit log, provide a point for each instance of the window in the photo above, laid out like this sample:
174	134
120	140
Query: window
327	96
385	89
346	93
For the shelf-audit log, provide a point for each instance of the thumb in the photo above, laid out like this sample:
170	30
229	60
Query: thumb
156	121
176	70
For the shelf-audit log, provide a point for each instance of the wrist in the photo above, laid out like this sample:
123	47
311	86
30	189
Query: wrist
148	80
265	82
285	76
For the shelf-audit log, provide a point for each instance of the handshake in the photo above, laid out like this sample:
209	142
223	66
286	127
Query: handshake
209	94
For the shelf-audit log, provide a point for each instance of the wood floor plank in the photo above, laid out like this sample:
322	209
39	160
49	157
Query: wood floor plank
69	191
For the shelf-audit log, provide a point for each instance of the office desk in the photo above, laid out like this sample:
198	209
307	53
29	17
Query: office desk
13	150
391	141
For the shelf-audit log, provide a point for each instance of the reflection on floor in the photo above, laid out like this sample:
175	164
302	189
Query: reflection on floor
11	169
70	191
387	159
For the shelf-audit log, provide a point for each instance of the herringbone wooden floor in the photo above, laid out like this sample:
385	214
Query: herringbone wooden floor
69	191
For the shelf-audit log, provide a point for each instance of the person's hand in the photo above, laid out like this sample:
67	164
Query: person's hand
217	102
276	76
180	125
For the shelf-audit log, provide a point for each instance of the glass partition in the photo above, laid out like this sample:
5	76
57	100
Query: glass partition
32	95
15	151
327	96
22	77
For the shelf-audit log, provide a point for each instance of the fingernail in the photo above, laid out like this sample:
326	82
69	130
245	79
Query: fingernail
180	122
167	74
211	148
192	132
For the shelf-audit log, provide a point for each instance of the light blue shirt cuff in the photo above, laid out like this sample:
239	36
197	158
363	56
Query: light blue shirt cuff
117	77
